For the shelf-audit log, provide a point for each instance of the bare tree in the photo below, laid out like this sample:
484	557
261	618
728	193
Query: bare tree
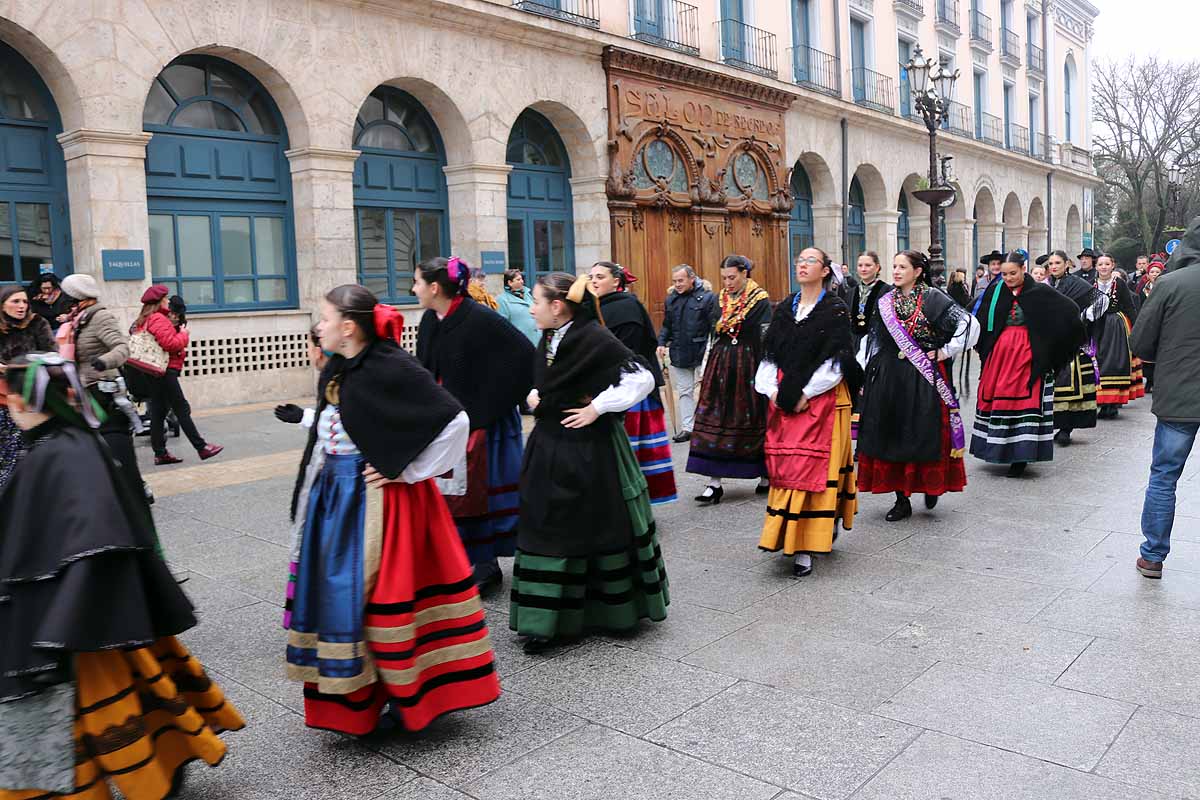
1147	117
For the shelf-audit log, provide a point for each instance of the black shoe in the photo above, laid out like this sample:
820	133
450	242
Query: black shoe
902	510
488	577
1063	438
177	781
537	644
682	436
711	495
931	501
800	570
762	488
1017	470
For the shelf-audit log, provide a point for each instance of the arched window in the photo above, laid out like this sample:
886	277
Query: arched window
34	230
218	188
1068	131
745	177
540	235
903	236
856	221
400	196
657	164
800	226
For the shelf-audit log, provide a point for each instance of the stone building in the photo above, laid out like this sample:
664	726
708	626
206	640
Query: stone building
253	153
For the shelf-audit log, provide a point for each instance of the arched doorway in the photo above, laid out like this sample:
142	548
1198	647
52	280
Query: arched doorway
903	230
400	196
219	189
540	224
856	221
34	228
800	226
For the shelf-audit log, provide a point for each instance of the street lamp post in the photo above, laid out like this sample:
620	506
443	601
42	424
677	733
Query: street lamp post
1175	179
932	86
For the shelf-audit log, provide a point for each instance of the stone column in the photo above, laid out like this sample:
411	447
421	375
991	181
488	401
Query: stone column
106	188
989	237
323	210
589	207
1037	242
827	229
479	212
958	248
1016	236
881	233
918	229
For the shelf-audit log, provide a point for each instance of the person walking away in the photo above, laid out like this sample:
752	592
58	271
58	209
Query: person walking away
1112	342
48	300
167	393
1077	383
731	418
487	365
88	654
689	314
958	288
911	437
1029	331
810	376
588	556
21	332
513	304
1167	334
645	423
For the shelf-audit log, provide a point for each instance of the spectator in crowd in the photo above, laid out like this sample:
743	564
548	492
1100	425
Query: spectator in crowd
1039	273
979	285
21	332
477	289
1141	267
1168	333
689	314
47	300
958	288
514	304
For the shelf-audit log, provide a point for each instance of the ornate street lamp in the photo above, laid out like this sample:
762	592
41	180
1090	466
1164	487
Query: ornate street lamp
932	87
1175	178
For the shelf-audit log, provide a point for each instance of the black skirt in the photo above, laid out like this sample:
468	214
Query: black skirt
901	414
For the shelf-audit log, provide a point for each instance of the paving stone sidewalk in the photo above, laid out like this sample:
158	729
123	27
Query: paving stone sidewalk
1000	647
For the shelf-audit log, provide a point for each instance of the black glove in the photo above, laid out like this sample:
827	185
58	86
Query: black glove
99	365
289	413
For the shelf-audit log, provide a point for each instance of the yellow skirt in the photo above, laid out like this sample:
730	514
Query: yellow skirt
140	716
803	522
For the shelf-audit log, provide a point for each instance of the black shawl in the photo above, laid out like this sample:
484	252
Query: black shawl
627	318
800	348
79	569
589	360
480	358
861	323
1055	331
1120	300
391	406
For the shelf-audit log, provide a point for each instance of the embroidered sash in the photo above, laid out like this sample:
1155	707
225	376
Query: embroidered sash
913	352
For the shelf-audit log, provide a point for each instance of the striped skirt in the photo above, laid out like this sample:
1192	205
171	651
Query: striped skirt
1013	422
1115	361
492	533
647	430
565	597
1075	389
141	715
385	609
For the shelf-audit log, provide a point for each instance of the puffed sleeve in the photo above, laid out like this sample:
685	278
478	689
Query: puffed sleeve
442	454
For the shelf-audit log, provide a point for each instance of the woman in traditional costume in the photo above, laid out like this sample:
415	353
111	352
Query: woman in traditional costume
731	418
645	423
1113	355
95	691
1076	382
587	552
810	376
910	435
386	610
487	364
865	297
1029	332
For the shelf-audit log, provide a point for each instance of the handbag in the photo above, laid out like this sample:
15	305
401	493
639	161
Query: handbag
146	354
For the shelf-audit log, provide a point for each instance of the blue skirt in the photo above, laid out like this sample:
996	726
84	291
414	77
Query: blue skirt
489	537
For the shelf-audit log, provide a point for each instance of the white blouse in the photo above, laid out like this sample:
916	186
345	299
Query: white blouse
633	388
438	458
827	376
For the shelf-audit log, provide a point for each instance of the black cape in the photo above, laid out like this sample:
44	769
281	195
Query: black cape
391	406
79	570
1055	331
800	348
862	324
627	318
480	358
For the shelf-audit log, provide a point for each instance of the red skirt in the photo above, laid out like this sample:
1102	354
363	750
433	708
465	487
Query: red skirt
947	474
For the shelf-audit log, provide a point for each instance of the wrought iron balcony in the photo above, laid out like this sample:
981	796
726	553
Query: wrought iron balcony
958	120
981	30
746	47
1018	139
815	70
577	12
668	23
990	129
873	90
914	8
947	17
1010	47
1036	58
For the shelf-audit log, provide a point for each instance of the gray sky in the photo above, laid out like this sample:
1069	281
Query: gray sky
1146	27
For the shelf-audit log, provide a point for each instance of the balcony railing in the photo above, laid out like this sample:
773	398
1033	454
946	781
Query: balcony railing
1037	58
815	70
668	23
981	28
1041	147
1010	46
1018	139
578	12
990	129
947	15
914	8
746	47
958	120
873	90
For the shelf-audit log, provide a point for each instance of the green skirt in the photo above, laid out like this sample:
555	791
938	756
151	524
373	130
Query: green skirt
558	597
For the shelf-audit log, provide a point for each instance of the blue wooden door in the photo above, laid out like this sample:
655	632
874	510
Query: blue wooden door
648	18
540	220
733	36
858	54
856	221
904	52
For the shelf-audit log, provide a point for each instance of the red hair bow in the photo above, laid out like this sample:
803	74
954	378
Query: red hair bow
389	323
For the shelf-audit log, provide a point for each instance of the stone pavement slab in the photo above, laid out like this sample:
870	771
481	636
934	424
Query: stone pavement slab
956	590
686	629
1157	671
1120	618
1157	750
838	615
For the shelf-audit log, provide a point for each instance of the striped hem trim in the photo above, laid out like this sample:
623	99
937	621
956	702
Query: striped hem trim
403	633
443	655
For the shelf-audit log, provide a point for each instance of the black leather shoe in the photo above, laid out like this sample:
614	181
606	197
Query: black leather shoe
762	488
902	510
931	501
711	495
537	644
682	436
1063	438
1017	470
800	570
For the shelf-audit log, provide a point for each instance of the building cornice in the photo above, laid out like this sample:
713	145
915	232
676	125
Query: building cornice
622	60
99	142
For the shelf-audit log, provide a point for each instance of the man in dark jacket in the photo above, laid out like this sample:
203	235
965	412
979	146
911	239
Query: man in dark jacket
1168	333
689	314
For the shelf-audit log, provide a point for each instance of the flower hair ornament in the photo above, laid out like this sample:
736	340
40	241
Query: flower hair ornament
37	400
459	272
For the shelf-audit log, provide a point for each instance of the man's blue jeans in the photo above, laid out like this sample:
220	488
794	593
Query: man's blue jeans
1172	444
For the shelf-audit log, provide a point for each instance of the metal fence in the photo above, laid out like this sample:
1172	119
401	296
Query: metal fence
579	12
981	27
989	128
1018	138
668	23
1010	45
947	13
958	120
873	90
816	70
1037	58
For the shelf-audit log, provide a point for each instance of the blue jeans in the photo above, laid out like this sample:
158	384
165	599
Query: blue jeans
1172	444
